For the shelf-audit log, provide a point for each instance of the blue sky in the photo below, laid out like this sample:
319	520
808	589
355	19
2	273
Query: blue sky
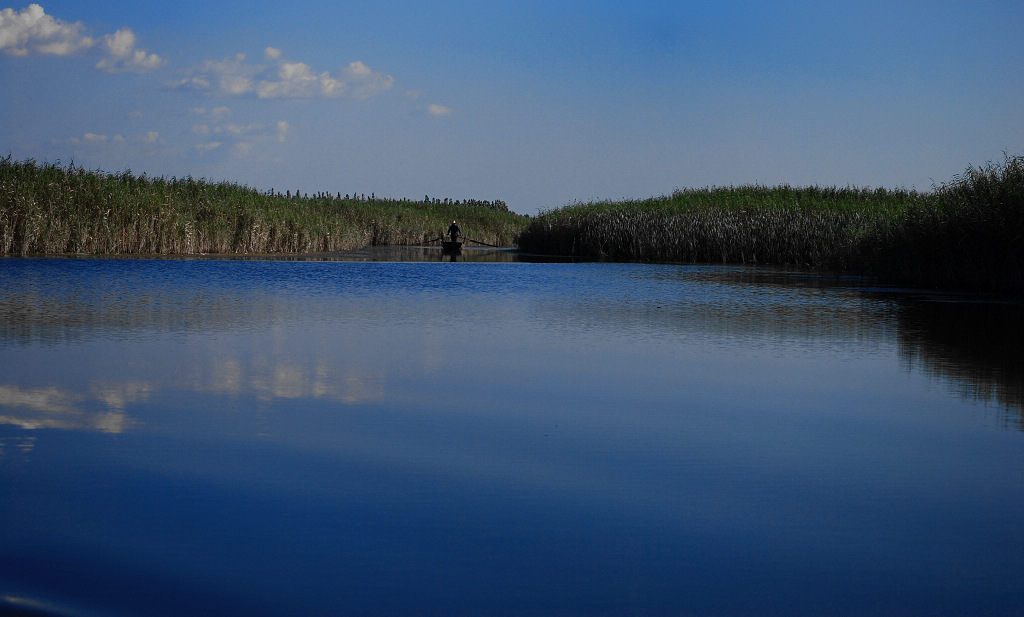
539	103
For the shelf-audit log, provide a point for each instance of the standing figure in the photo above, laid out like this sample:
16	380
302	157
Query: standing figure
454	231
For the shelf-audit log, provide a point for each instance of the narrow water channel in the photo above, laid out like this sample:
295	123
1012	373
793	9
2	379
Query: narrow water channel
500	437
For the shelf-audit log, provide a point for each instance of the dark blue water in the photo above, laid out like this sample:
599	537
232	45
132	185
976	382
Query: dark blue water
326	438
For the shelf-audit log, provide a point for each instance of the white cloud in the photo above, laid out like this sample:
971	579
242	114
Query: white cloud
294	79
97	140
216	114
364	82
32	31
121	55
439	110
279	78
243	139
230	75
238	129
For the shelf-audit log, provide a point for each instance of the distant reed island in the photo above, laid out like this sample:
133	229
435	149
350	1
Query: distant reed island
965	235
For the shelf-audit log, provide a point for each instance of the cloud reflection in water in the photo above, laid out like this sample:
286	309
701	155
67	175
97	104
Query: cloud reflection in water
37	408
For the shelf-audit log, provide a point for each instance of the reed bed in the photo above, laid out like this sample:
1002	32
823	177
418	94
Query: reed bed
48	209
749	224
969	235
963	235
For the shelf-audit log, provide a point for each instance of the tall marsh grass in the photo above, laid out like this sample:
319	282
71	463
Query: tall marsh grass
968	235
963	235
48	209
749	224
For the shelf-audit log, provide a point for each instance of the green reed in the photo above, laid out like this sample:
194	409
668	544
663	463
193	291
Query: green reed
748	224
49	209
964	235
969	235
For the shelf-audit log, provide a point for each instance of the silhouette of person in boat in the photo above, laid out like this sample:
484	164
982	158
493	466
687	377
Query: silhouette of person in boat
454	231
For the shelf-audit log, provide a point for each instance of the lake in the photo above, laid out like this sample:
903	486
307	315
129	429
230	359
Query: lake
359	436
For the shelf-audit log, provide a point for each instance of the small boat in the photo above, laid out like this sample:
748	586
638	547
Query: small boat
451	246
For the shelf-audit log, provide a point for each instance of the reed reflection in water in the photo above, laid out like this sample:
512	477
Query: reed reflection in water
279	437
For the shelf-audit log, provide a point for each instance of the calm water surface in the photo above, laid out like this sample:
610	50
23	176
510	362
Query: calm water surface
371	438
